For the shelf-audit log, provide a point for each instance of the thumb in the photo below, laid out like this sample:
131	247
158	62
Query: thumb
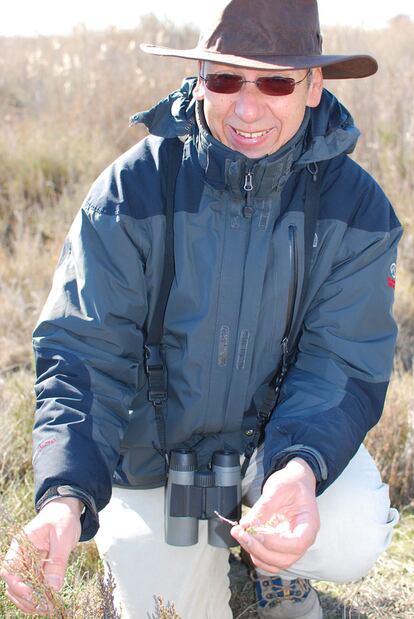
62	526
56	563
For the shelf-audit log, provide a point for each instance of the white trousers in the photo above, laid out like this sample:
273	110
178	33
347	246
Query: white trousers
356	527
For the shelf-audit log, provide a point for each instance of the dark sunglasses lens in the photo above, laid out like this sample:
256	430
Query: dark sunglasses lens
276	86
225	83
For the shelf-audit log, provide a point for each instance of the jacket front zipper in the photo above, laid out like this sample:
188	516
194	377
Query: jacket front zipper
293	287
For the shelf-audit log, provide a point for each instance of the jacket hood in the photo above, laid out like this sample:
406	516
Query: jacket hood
173	116
330	127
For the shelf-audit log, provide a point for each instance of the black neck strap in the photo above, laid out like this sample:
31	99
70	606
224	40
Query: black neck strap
154	362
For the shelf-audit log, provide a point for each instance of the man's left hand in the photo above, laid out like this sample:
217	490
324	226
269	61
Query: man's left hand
284	522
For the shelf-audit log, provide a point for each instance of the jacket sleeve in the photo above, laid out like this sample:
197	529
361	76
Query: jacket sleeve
334	393
87	346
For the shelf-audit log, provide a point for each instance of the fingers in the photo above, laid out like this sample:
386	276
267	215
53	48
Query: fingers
24	604
27	605
271	569
18	592
285	541
16	585
34	598
21	594
275	551
266	558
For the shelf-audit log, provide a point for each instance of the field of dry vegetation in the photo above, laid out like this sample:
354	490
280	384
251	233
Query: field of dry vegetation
64	108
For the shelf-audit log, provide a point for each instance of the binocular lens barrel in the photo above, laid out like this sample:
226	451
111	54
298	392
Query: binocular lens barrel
182	530
226	469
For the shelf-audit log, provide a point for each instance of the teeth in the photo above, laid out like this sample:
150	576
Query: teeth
255	134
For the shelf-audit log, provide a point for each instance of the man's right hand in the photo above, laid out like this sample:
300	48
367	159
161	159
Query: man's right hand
55	532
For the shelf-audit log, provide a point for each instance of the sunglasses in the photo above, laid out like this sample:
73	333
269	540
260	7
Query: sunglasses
228	84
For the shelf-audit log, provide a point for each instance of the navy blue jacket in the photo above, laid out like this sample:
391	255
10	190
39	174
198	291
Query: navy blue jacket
227	311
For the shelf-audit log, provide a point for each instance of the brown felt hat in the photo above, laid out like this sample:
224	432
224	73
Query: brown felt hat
270	34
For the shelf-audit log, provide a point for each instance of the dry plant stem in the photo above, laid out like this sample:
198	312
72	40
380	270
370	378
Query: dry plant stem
164	611
232	522
106	588
29	567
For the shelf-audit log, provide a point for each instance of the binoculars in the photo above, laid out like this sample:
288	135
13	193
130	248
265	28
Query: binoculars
194	494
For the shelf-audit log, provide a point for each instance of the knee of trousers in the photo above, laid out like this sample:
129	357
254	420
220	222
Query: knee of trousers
356	523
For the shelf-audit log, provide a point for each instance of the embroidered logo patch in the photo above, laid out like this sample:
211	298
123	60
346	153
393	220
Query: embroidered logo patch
47	442
392	275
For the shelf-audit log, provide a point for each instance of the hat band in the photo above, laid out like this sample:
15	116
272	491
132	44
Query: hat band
248	43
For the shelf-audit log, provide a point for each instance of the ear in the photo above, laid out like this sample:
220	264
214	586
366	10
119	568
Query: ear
199	88
315	88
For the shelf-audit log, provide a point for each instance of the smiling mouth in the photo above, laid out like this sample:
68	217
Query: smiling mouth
252	134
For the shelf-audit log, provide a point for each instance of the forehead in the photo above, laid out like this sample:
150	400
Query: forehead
215	67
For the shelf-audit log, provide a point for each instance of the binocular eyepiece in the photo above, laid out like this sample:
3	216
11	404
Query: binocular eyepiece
194	494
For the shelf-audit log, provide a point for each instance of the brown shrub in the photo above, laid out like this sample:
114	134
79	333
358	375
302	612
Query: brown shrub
391	442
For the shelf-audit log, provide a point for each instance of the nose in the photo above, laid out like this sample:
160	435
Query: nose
248	105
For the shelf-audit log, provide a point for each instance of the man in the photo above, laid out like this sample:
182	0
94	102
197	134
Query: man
283	252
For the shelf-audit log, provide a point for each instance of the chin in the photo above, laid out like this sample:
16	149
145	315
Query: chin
253	154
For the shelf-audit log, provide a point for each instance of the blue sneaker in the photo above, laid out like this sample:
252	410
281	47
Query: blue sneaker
285	599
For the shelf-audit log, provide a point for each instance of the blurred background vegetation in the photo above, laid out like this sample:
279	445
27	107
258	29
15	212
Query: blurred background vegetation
64	109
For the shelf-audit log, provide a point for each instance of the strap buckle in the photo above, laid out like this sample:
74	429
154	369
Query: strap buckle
157	376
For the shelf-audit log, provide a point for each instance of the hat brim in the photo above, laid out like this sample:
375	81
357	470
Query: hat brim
333	66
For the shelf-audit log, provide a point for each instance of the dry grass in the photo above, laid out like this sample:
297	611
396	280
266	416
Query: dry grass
391	442
64	108
164	610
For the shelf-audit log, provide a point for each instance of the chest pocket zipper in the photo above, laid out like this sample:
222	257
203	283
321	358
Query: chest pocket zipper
294	278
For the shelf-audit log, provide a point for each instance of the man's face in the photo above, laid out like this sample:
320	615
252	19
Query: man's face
251	122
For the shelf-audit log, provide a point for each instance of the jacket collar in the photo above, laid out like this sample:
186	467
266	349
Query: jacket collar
225	168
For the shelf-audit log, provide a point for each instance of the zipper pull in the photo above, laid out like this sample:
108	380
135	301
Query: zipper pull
313	169
248	184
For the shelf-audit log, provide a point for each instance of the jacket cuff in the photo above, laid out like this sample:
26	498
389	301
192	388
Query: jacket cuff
311	456
89	517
